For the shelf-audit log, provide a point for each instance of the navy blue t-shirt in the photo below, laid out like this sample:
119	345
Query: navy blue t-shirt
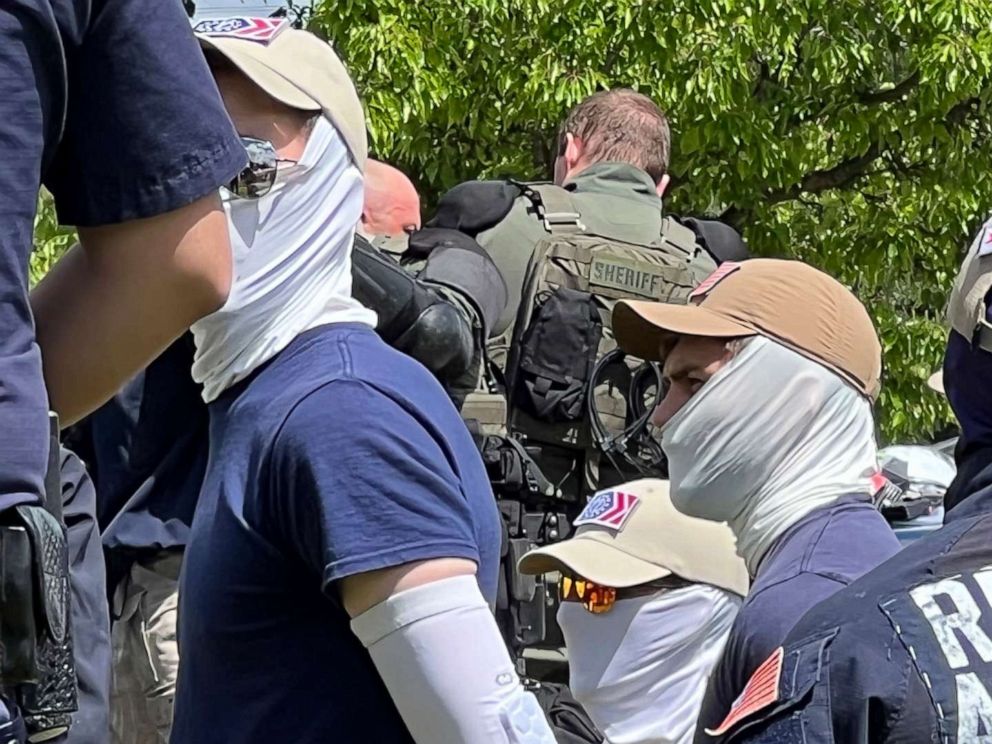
340	456
111	105
146	450
818	556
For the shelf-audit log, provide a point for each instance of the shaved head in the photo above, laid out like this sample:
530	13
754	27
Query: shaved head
392	205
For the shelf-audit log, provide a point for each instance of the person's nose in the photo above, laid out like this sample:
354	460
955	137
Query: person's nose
673	401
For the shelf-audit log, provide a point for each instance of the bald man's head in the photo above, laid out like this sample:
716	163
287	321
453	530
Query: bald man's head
392	205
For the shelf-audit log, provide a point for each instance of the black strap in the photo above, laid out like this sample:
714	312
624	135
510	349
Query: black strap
553	206
53	476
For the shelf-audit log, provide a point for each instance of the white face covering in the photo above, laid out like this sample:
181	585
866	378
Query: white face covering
292	265
768	439
640	670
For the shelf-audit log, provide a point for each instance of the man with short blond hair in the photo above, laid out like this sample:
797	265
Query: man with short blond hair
612	167
619	126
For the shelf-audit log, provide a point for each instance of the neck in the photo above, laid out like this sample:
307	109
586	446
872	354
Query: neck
759	529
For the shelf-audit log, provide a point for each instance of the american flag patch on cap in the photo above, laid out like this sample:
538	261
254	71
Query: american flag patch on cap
760	692
608	509
725	269
242	27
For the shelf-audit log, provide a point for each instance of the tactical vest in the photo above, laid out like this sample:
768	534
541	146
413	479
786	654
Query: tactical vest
563	329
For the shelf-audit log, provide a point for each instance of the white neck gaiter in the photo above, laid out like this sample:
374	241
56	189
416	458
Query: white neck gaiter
768	439
292	265
640	670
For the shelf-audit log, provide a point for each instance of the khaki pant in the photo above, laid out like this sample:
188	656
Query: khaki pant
146	657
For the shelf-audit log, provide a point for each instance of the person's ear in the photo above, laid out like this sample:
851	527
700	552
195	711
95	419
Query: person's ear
574	150
663	184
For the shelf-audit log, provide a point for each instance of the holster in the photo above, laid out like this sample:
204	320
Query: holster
37	667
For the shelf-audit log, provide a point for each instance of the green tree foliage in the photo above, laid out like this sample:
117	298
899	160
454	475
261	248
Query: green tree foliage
50	239
853	134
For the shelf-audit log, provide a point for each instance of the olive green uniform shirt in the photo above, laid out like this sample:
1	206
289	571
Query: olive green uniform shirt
615	200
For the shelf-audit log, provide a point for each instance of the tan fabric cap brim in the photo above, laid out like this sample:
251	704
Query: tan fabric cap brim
265	78
594	560
643	328
303	72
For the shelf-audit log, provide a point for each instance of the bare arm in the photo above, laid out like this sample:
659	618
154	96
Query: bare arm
363	591
114	303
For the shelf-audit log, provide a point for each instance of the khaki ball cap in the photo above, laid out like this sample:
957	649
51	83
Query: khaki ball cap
787	301
655	541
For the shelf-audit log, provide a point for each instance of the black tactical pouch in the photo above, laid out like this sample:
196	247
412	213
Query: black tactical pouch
37	667
557	353
34	620
48	704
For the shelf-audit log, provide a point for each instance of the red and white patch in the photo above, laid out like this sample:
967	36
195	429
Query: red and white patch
985	246
725	269
608	509
242	27
760	692
878	482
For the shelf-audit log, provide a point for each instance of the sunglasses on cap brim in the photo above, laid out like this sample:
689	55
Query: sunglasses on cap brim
598	598
262	172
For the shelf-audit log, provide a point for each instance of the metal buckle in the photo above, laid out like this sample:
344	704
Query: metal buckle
558	219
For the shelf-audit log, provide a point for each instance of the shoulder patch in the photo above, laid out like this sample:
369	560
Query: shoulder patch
262	30
761	691
608	509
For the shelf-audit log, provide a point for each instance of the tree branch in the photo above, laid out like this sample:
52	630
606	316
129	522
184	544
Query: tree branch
850	170
895	93
841	174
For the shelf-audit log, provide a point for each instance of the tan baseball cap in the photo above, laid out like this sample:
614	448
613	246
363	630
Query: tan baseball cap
294	67
967	310
787	301
633	534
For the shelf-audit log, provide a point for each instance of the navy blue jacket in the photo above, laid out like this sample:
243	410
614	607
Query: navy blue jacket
902	655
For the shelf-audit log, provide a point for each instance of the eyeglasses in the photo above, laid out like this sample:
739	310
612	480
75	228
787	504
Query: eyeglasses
597	598
260	175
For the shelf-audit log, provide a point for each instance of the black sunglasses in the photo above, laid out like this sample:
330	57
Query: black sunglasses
259	176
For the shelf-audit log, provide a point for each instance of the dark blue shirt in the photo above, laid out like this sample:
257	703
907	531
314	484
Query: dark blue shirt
89	613
339	457
111	105
902	654
821	554
147	451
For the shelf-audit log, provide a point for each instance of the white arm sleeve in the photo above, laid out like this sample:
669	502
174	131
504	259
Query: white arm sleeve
445	665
